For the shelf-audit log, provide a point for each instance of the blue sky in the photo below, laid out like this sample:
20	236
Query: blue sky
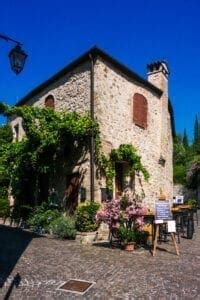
134	32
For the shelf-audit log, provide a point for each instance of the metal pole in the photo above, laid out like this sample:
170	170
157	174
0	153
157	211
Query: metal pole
92	148
7	39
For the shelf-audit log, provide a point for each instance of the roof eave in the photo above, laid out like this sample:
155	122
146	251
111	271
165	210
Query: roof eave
95	51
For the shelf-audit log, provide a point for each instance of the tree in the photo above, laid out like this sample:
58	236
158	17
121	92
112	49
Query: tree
196	142
185	139
6	134
179	152
31	164
180	158
6	137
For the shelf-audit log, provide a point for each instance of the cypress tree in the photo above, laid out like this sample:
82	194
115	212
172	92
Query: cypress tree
185	139
196	143
196	130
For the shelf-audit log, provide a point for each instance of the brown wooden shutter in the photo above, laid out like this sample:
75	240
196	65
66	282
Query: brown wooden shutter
140	109
49	102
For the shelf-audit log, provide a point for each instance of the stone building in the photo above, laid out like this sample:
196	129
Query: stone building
129	110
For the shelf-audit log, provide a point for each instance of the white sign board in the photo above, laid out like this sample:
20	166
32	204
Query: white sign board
171	226
179	199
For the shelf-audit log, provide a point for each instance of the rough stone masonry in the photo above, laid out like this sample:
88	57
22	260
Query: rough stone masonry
114	88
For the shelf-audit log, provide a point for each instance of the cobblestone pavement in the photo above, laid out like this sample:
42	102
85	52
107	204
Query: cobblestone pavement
32	267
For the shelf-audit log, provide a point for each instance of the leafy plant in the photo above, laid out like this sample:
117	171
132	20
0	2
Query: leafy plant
63	227
126	235
141	237
85	217
42	217
124	217
193	175
4	208
127	153
179	174
21	213
47	133
192	202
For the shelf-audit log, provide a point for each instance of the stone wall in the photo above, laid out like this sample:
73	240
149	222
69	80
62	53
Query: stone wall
71	93
181	190
114	111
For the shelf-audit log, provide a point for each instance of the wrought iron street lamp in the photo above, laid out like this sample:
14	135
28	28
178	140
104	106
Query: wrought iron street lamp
17	56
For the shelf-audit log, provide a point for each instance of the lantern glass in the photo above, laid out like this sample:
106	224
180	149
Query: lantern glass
17	59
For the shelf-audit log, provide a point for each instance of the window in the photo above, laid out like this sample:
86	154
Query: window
140	109
49	102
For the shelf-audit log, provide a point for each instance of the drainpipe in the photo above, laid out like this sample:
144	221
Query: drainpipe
92	147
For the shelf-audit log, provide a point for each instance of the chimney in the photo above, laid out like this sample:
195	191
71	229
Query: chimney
158	73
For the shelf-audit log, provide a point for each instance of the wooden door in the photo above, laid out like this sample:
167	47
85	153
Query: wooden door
119	179
72	190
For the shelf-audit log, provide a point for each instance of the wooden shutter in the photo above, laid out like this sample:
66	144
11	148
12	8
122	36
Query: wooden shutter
140	110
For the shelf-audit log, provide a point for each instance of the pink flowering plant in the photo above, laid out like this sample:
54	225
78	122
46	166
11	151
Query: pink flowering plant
124	217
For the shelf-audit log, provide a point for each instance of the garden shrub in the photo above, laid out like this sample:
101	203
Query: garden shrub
4	208
85	217
192	202
41	218
21	213
179	174
141	237
63	227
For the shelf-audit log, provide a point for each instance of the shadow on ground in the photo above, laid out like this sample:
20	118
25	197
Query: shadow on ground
118	246
13	242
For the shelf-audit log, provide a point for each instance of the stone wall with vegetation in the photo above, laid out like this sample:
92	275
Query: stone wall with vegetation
71	93
114	111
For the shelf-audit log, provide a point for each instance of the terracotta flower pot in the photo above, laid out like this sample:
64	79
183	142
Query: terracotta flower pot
129	246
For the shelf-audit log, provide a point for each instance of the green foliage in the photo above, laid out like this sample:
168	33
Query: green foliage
21	213
127	153
126	235
193	174
196	141
85	217
42	217
124	202
107	168
6	135
141	237
180	153
185	139
192	202
180	174
48	133
4	208
197	130
5	140
63	227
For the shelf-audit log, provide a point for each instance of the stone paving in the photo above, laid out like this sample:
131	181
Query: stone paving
32	267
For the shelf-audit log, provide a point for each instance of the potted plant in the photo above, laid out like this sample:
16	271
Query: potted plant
128	238
85	222
125	219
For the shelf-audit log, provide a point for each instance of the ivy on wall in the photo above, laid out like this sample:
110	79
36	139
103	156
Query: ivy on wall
125	153
47	133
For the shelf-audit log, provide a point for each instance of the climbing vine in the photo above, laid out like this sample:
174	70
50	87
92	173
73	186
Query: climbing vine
47	133
125	153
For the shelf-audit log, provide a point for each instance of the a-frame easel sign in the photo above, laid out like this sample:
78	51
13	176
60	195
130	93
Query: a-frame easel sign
163	215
